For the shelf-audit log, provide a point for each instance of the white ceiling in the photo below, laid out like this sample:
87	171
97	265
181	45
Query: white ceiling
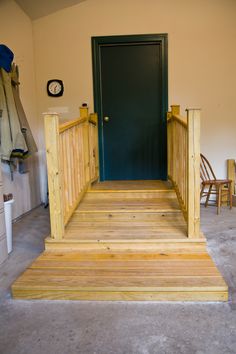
39	8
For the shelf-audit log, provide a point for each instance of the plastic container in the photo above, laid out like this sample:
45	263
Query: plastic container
8	222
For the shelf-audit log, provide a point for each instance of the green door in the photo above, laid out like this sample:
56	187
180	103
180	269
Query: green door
131	103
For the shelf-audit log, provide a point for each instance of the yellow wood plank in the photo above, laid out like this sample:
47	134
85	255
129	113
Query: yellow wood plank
132	185
119	248
121	296
100	276
51	122
120	216
128	194
193	207
164	245
124	256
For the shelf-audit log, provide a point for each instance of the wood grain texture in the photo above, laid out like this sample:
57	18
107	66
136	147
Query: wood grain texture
184	163
128	220
193	175
124	248
132	185
55	177
121	276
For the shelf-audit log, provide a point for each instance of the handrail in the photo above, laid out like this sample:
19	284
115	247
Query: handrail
184	163
179	119
70	124
72	162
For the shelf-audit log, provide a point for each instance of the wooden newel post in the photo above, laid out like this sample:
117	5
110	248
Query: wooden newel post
175	109
170	144
51	122
84	113
193	158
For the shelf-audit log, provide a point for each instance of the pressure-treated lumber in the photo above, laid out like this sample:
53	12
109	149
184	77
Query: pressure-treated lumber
128	219
193	211
137	185
121	276
184	163
51	122
124	245
72	161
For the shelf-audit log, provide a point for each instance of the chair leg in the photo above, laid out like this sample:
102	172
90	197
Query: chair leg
202	190
208	196
218	198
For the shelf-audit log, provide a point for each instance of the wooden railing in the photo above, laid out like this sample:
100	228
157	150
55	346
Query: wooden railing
72	163
184	164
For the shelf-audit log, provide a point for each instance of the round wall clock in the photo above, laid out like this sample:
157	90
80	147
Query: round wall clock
55	88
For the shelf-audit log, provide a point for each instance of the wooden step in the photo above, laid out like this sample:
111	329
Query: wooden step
121	276
120	216
170	245
158	205
133	228
132	185
129	194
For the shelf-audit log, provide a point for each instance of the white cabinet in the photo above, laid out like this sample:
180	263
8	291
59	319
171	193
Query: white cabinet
3	240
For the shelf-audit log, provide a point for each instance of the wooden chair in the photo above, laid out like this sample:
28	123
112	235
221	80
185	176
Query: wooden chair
213	185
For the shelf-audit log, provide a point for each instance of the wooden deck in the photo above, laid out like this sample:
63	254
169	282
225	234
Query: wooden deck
126	241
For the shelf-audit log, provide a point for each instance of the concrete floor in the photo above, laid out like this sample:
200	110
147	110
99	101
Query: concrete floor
60	327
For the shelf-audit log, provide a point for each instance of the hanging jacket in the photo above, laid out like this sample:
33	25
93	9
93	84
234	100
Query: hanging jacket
12	141
25	128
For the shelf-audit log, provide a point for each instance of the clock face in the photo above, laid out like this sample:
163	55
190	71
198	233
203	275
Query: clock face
55	88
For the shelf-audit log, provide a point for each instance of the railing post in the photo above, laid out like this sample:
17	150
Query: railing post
51	122
169	145
175	109
93	146
84	113
193	158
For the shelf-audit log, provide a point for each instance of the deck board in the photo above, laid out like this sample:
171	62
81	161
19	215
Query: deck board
112	277
132	185
128	241
144	205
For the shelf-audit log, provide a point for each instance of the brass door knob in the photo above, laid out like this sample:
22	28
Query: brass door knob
106	119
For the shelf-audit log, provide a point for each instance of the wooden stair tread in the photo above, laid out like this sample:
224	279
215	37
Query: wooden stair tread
129	194
132	185
124	244
76	275
133	229
128	205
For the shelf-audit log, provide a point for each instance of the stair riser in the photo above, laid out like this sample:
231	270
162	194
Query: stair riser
129	195
121	216
159	247
122	296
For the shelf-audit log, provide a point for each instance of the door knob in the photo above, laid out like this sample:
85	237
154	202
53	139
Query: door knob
106	119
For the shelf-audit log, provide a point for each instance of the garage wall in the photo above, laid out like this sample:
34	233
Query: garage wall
202	57
16	33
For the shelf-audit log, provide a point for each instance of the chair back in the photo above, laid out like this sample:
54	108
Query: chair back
206	171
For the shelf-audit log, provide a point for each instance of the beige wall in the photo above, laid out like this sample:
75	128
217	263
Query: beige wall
16	33
202	58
